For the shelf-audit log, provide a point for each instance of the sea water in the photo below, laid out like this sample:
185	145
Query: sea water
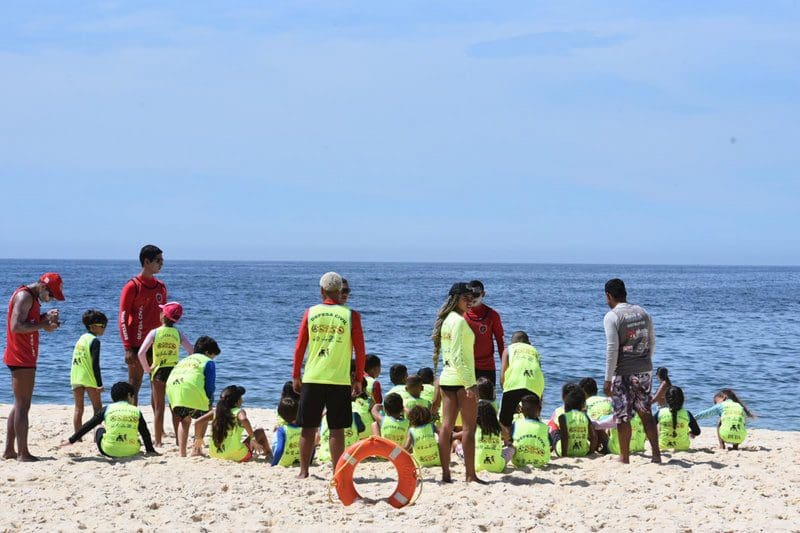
716	327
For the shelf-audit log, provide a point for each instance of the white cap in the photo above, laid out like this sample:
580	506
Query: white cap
330	282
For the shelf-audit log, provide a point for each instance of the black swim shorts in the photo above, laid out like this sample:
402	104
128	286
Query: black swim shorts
335	399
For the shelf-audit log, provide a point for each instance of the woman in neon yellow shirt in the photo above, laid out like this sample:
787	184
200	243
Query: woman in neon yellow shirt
454	340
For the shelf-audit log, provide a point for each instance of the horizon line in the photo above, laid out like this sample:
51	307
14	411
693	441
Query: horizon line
350	261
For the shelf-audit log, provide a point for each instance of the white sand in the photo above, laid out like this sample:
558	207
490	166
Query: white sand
754	489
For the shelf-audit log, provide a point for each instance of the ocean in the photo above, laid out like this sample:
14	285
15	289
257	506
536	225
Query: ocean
716	326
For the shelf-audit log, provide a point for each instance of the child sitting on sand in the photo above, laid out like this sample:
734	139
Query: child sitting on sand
676	425
286	443
732	412
389	421
575	437
660	397
360	406
488	439
190	387
286	392
229	423
530	435
122	421
165	342
414	387
398	375
597	407
428	388
421	439
372	370
558	411
486	392
85	375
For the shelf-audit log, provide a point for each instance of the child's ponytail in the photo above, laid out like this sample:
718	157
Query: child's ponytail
674	398
223	417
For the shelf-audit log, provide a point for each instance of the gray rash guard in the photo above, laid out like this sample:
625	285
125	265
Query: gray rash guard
630	341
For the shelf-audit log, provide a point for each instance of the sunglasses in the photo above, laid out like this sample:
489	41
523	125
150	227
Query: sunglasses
346	291
99	325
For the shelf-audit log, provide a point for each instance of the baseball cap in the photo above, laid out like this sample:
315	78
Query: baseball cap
172	310
54	284
460	288
331	282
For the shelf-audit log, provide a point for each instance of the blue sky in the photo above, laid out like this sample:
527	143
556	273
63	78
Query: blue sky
517	131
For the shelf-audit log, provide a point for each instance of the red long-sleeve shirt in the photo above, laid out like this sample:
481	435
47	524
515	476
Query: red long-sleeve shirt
138	309
486	324
356	337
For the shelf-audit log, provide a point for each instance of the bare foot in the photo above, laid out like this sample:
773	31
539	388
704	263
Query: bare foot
10	455
446	478
27	458
478	480
197	453
656	459
624	461
301	475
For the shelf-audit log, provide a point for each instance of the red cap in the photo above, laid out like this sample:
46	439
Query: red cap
172	310
54	284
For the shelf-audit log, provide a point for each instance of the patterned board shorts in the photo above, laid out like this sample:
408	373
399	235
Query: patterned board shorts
629	394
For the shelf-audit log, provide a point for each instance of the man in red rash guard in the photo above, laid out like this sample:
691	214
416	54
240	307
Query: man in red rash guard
22	351
334	333
486	324
139	311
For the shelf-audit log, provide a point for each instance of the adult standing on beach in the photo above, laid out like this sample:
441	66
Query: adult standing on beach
454	341
630	343
22	351
488	329
139	311
329	332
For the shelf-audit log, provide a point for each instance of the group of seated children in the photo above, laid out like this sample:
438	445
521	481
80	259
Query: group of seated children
406	415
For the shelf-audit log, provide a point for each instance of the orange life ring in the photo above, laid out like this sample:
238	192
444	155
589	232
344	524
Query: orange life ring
376	447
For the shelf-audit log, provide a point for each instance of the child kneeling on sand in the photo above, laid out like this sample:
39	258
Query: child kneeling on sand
530	435
190	387
229	423
286	443
122	421
676	425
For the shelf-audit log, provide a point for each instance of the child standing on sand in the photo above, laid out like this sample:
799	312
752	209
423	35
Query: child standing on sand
286	442
732	412
122	421
85	375
421	439
229	423
676	425
165	342
190	388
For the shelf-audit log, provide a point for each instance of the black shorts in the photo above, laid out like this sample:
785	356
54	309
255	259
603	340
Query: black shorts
314	397
183	412
509	403
491	375
451	388
162	374
14	367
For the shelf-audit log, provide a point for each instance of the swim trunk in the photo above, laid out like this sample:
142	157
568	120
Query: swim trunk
12	368
183	412
631	393
451	388
491	375
162	374
316	397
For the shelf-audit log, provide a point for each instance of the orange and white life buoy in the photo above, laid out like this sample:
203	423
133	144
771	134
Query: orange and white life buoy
376	447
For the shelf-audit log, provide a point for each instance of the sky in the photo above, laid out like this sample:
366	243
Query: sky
543	132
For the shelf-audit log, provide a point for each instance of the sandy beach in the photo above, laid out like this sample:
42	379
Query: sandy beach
754	489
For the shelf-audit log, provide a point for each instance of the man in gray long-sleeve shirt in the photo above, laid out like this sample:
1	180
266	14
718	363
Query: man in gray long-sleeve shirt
630	342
